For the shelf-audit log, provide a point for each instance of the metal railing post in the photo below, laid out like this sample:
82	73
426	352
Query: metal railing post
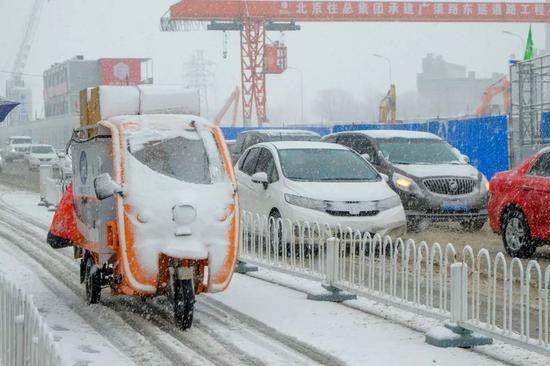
330	291
452	334
459	292
332	261
19	340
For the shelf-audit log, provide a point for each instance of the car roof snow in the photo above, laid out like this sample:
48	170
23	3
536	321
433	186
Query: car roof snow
283	145
278	132
394	133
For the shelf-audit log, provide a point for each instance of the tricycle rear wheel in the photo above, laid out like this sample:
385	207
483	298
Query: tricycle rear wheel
92	280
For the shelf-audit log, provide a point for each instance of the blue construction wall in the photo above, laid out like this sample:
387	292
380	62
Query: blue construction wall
545	127
484	140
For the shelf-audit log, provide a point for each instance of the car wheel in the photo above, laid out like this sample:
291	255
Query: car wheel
413	225
472	225
516	235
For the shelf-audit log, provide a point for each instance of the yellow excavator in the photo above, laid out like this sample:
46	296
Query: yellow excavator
388	106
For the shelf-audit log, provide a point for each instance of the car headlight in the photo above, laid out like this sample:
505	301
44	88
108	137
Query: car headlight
405	183
310	203
386	204
484	183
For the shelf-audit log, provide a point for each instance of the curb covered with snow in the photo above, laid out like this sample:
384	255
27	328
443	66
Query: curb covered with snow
499	351
357	332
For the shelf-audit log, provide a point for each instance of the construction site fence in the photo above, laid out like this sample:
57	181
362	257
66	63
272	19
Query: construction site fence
484	140
506	299
24	337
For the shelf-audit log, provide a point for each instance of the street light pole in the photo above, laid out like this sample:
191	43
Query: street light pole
301	91
517	36
389	64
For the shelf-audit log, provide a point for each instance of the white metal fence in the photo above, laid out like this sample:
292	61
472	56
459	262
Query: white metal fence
506	299
24	338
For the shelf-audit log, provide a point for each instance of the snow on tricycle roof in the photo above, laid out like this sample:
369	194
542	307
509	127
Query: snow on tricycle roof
161	121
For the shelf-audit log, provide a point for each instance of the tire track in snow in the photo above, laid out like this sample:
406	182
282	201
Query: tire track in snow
217	337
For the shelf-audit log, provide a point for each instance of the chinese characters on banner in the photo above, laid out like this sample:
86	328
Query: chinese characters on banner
411	11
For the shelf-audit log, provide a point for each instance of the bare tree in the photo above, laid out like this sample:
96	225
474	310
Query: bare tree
333	105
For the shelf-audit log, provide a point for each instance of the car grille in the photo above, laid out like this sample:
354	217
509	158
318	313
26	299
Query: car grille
348	214
20	149
450	186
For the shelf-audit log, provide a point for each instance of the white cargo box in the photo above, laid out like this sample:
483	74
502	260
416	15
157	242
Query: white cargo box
117	101
169	99
114	101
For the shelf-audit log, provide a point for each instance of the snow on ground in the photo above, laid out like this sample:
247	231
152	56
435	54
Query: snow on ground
353	336
78	342
27	203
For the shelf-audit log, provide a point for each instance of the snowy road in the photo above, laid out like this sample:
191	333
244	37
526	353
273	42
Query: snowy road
207	343
252	323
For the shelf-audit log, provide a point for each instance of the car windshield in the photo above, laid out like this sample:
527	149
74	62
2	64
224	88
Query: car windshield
42	149
182	155
19	141
316	165
417	151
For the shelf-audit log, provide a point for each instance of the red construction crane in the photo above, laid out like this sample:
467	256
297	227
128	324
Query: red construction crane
254	17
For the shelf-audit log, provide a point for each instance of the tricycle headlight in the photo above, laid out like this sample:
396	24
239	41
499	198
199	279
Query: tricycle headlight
184	214
388	203
310	203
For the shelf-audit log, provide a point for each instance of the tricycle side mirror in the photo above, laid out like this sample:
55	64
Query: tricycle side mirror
105	187
367	157
260	178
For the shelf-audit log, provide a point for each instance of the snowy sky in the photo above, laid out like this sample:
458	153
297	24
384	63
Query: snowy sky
330	55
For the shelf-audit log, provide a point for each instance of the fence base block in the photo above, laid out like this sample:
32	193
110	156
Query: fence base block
453	335
243	267
331	293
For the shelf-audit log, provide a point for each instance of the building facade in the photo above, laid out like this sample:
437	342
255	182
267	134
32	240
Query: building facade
64	81
448	90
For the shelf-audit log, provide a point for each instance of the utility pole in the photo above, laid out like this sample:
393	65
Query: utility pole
197	73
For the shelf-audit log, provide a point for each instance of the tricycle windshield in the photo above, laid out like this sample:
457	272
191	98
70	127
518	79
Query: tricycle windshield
188	156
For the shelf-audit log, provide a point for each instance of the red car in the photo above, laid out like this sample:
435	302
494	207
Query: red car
519	205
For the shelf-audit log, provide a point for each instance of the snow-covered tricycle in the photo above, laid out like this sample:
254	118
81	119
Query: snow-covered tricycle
152	207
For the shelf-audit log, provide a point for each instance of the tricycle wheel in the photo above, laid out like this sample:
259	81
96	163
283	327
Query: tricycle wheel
92	279
184	303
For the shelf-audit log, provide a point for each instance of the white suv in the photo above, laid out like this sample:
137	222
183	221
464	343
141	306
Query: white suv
41	155
317	182
16	148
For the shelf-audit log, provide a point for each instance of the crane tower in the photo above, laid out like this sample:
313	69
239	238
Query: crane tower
15	87
253	18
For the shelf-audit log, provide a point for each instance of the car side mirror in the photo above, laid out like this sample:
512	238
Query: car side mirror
260	178
385	177
105	187
466	158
